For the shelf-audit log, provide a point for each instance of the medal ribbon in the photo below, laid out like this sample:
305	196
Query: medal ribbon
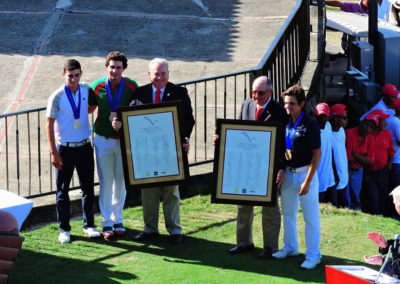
75	110
290	130
114	103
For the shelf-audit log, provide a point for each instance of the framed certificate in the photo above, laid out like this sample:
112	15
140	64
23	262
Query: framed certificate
246	162
151	145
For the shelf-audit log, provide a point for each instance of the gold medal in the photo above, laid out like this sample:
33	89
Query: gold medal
288	154
77	124
112	115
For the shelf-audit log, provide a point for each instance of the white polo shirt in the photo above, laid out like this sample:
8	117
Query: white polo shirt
340	157
325	170
59	108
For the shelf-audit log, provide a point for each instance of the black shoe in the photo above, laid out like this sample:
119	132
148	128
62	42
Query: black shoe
238	249
266	253
143	236
176	239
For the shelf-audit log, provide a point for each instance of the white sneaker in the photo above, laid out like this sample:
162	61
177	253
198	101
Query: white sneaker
310	263
283	254
64	237
92	232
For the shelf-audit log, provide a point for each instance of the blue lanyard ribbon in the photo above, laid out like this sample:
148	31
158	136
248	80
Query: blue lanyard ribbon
75	110
114	103
290	130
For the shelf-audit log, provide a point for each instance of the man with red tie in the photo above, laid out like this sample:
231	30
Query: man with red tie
260	107
160	90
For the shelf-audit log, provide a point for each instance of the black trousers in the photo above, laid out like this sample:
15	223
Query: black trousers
80	158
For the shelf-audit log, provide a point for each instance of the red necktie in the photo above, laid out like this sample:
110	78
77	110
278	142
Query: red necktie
157	99
258	112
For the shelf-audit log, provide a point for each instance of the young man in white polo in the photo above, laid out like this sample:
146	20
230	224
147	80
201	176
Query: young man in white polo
68	133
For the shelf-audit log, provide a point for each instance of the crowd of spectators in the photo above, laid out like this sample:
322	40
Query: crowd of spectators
364	176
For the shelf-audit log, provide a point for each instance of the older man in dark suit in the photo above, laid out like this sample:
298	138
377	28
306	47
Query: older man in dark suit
160	90
262	108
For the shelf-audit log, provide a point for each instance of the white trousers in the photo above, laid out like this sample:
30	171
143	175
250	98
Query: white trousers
309	204
111	176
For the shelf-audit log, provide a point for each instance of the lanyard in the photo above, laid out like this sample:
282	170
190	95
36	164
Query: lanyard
290	130
114	103
75	110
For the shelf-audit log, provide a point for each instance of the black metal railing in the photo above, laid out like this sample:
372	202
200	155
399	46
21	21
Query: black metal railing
26	164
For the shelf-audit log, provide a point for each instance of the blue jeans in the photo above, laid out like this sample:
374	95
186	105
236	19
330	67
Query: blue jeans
82	159
354	188
376	186
395	176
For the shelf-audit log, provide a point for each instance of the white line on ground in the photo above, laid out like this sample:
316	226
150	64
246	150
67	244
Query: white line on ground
62	4
201	5
21	79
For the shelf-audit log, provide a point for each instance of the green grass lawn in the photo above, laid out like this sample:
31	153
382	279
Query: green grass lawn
202	258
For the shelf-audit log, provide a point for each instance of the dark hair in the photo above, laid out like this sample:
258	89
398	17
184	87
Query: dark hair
297	91
117	56
72	64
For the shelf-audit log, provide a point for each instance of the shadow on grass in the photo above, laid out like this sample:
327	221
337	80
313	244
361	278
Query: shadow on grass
193	250
36	267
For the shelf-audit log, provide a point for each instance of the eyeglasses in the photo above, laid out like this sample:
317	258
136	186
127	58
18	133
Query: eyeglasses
342	117
260	93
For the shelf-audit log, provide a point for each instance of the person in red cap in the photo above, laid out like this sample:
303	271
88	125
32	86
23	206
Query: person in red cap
386	104
393	126
376	176
326	177
360	148
339	122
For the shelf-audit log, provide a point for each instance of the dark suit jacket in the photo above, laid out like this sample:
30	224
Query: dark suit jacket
273	112
172	92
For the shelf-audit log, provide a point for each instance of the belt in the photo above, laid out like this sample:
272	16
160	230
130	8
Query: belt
297	170
75	144
112	137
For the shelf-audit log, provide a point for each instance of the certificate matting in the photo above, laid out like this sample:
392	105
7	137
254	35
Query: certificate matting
245	162
151	145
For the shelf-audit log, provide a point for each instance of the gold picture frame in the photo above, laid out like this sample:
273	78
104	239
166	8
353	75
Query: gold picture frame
151	145
246	162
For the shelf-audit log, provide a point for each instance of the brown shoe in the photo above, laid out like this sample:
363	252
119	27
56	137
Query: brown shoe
143	236
176	239
266	253
238	249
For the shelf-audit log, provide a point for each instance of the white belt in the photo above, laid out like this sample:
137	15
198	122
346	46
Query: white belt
75	144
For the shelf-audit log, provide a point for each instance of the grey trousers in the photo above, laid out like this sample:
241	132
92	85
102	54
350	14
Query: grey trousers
151	198
271	224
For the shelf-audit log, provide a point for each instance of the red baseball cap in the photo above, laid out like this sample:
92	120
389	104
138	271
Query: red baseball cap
390	90
397	104
322	108
380	114
373	117
338	109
